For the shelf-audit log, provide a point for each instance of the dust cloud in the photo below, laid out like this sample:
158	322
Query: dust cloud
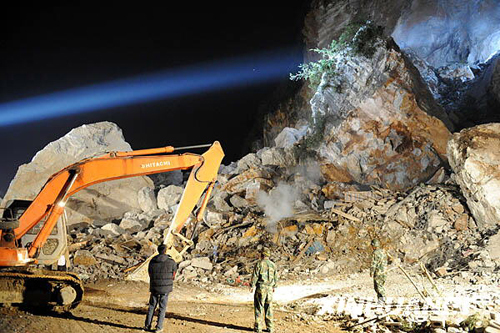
277	204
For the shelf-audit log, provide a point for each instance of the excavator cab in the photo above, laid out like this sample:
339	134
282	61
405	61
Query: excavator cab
8	222
56	243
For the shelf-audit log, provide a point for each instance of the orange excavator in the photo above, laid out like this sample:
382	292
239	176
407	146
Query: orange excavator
34	233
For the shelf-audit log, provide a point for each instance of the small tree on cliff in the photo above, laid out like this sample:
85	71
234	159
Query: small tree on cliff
357	39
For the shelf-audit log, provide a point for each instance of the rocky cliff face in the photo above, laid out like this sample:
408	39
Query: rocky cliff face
327	19
450	31
103	201
380	126
441	32
451	42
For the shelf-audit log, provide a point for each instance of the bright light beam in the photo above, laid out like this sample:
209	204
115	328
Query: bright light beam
235	73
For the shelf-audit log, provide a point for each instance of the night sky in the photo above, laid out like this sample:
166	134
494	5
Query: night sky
49	48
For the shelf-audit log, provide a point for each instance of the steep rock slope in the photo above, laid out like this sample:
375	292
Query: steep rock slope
376	124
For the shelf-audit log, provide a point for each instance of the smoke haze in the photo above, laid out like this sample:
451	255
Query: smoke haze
277	204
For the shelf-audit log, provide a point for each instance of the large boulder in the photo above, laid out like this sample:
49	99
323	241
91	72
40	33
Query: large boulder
289	136
375	121
248	161
277	156
474	156
104	201
147	199
169	196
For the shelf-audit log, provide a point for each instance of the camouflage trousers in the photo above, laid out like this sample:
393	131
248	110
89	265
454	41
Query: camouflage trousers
378	284
263	305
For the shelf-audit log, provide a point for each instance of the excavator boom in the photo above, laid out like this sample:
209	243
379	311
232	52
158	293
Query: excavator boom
47	208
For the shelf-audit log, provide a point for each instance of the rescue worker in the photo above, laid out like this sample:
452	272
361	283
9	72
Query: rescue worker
378	270
161	269
264	280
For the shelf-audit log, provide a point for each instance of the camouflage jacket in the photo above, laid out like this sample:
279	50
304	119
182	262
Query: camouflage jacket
264	274
379	262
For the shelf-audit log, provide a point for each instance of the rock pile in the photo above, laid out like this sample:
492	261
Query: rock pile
268	198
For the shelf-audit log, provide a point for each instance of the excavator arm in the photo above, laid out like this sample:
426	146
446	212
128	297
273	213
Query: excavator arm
48	206
50	202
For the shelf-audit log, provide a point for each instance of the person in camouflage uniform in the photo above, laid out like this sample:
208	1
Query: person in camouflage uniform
378	270
264	281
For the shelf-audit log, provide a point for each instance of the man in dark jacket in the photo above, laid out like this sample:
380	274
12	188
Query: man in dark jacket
161	271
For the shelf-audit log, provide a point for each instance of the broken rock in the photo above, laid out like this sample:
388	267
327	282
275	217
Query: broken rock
169	196
248	161
113	229
232	272
84	258
239	183
475	158
219	201
289	136
202	262
276	156
461	222
214	218
238	201
147	200
436	220
132	225
114	259
493	248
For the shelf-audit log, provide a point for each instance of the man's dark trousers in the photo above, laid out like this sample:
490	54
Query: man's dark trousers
159	300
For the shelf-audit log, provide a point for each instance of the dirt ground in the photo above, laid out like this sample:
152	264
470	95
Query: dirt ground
112	306
121	306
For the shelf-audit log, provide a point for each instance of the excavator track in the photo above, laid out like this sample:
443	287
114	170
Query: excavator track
40	289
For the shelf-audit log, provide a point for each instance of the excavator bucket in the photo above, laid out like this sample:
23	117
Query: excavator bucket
201	179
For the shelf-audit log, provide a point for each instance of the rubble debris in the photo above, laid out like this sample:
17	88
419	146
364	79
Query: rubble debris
419	225
316	237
